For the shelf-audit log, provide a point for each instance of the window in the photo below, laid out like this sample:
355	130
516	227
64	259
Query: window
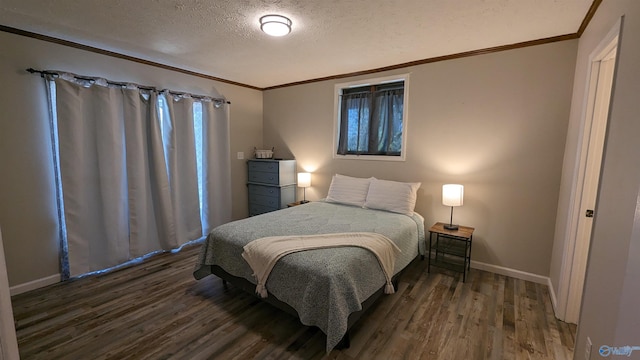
371	119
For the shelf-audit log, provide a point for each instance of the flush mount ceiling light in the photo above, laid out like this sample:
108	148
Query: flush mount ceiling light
275	25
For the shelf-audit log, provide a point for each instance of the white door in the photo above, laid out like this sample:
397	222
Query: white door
586	186
587	209
8	342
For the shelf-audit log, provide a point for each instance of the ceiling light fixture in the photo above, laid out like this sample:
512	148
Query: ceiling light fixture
275	25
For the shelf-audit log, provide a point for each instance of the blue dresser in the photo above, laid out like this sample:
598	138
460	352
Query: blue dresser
271	184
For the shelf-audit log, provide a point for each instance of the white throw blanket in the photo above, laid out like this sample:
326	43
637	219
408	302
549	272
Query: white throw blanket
262	254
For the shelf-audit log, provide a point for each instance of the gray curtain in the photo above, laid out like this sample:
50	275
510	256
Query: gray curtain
354	123
150	207
386	122
109	154
128	172
216	165
180	150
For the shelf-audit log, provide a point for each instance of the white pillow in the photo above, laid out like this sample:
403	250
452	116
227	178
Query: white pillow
392	196
348	190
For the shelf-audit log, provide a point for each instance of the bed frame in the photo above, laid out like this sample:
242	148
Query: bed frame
249	287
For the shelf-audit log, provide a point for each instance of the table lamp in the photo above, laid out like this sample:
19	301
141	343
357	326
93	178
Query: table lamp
452	195
304	181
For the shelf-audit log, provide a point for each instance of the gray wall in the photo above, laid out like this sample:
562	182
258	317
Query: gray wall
27	199
495	123
609	314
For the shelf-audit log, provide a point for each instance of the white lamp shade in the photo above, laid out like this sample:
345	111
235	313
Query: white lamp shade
304	179
452	194
275	25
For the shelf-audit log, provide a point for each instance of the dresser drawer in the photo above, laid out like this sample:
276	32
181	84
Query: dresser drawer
264	177
257	209
264	166
271	201
264	190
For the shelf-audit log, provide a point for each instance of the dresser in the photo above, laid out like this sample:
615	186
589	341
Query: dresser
271	184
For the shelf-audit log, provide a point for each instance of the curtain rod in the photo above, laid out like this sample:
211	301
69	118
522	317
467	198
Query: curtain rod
369	92
116	83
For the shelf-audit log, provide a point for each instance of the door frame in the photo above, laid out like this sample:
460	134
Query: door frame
575	252
8	341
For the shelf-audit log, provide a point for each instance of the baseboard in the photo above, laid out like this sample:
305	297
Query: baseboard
35	284
522	275
552	295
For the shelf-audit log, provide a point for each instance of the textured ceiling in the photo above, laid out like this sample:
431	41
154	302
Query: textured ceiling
222	38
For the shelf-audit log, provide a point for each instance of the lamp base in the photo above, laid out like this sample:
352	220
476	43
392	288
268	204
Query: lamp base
450	227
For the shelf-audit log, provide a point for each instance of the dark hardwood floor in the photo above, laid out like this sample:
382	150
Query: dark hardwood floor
156	310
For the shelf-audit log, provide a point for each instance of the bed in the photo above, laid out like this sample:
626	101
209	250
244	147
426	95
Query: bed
328	288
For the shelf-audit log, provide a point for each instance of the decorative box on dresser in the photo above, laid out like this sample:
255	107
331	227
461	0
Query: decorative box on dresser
271	184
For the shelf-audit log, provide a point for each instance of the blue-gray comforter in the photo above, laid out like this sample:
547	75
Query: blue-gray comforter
324	285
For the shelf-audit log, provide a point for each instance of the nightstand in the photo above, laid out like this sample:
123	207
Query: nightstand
297	203
450	249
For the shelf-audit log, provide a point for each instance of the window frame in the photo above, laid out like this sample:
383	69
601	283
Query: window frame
337	121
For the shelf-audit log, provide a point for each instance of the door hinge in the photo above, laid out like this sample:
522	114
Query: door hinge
589	213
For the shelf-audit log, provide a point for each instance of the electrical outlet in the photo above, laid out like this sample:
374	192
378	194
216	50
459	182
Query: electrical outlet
587	350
